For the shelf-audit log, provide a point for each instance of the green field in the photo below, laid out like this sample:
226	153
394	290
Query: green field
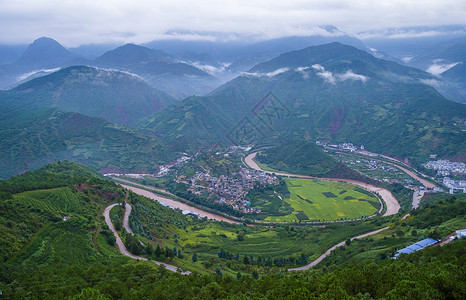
313	200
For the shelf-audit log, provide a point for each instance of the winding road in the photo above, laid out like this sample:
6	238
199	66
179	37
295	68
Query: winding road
119	242
390	201
327	253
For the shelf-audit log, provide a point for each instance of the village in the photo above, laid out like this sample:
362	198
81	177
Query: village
230	190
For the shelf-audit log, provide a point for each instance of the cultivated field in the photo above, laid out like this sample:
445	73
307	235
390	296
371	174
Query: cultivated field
313	200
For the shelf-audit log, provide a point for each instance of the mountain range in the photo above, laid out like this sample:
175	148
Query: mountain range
61	116
332	92
118	97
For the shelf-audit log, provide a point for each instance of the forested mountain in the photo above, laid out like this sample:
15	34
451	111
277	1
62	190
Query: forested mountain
160	70
116	96
32	137
331	92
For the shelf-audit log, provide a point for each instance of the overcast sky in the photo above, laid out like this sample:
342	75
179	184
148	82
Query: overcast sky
75	22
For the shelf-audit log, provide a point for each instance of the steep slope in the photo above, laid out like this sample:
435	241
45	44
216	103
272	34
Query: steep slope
118	97
31	137
331	92
34	230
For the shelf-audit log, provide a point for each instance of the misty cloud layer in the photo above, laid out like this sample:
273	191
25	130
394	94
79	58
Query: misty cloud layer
103	21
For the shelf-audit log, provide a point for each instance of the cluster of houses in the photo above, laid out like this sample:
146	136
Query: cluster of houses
445	167
454	185
165	169
349	147
231	190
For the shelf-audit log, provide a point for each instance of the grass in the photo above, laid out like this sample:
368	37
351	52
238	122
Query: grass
325	200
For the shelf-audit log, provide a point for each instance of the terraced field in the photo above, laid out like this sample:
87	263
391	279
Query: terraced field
314	200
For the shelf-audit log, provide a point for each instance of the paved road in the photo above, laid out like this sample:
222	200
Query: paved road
390	201
122	247
327	253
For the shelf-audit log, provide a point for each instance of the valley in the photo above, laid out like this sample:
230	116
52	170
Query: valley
293	167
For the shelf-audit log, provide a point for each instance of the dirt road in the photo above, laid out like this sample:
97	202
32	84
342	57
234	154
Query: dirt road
122	247
390	201
327	253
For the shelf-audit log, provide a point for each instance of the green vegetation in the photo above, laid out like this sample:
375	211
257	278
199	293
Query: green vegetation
47	256
53	135
316	200
52	215
392	103
436	220
118	97
233	247
306	158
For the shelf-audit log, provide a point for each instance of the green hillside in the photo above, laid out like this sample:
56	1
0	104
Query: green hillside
118	97
46	256
30	138
352	97
306	158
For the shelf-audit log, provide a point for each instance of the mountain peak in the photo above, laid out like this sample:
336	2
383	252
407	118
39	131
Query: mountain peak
45	51
130	54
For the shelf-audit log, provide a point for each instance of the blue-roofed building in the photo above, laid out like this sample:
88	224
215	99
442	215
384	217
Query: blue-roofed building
416	247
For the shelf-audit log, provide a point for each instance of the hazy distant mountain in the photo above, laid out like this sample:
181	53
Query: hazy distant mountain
407	42
456	77
118	97
43	55
244	52
159	69
10	53
331	92
92	51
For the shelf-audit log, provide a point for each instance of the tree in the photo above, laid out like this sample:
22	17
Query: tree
194	257
255	274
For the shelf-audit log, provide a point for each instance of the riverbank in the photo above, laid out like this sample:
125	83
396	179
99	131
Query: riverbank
391	203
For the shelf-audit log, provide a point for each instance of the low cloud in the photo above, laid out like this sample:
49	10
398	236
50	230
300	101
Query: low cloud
269	74
111	70
326	75
302	70
35	72
349	75
212	70
333	78
432	82
437	69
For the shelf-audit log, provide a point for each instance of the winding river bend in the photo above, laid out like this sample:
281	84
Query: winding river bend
390	201
176	204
